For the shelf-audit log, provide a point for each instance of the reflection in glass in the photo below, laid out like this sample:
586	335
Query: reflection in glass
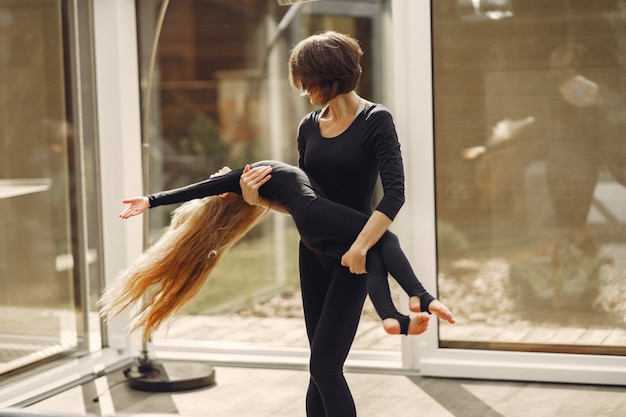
42	305
530	156
210	109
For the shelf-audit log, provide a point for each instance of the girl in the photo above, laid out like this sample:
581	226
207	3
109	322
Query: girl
325	227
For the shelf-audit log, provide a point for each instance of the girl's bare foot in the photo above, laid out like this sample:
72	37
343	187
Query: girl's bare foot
414	304
417	325
437	308
392	326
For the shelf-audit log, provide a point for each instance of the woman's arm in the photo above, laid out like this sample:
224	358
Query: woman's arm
387	150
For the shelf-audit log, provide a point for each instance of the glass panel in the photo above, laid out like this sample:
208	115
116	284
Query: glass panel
529	125
221	97
40	249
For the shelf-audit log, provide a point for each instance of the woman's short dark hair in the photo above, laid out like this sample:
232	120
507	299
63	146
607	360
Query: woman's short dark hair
328	63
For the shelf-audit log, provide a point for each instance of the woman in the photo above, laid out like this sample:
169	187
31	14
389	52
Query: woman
325	227
344	147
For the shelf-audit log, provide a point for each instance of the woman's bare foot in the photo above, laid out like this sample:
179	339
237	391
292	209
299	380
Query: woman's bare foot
436	307
418	324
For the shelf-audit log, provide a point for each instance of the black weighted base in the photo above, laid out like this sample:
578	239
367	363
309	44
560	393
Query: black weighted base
166	376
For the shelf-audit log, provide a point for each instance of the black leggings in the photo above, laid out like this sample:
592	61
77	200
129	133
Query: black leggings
333	227
333	299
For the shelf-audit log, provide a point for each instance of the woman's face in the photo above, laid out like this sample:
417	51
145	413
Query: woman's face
314	96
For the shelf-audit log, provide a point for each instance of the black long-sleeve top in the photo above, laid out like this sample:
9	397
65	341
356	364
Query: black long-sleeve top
347	166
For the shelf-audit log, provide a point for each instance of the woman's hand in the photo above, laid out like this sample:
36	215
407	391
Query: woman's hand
137	206
375	227
473	152
251	180
354	260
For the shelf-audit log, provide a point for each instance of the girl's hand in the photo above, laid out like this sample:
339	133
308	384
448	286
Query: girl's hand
251	180
222	171
137	206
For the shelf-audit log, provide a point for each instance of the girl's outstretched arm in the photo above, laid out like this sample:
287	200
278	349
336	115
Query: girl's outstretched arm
142	203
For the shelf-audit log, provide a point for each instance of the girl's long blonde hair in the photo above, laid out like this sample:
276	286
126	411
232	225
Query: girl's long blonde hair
177	265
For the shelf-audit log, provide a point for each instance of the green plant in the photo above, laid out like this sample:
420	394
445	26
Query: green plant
569	278
247	274
450	240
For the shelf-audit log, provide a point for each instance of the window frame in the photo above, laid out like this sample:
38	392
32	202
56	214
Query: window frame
416	224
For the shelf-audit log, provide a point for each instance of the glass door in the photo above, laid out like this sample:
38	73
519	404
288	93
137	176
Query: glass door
47	252
529	189
220	96
530	156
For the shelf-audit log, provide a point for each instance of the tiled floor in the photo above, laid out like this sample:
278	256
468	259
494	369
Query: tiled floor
280	393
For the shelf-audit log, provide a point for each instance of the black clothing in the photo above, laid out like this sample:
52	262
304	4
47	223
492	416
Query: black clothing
346	168
573	161
325	227
575	141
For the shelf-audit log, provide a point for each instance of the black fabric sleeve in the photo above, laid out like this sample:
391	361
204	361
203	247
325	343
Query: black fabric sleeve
228	182
390	165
